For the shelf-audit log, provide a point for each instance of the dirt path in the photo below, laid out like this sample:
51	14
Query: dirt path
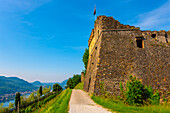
81	102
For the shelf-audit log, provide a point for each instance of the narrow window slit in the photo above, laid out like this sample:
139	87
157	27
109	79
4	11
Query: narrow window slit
139	42
153	35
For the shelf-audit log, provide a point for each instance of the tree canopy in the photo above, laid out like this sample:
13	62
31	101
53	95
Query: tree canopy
40	90
17	99
72	82
86	58
57	87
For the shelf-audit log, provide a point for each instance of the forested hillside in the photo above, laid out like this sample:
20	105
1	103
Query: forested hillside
14	84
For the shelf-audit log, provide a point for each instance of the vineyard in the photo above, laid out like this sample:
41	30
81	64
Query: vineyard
59	104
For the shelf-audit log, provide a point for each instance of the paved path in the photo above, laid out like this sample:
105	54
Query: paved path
81	102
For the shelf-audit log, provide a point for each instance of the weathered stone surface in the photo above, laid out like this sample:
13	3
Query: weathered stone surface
114	55
82	76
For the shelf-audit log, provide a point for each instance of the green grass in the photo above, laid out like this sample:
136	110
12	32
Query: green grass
79	86
120	107
57	105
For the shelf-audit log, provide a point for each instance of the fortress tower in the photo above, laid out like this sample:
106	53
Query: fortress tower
117	51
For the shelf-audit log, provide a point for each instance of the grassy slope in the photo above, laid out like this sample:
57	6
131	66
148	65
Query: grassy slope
122	108
79	86
57	105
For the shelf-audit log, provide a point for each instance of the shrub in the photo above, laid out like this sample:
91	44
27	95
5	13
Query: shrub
155	99
4	110
28	109
165	100
102	90
135	93
152	44
121	91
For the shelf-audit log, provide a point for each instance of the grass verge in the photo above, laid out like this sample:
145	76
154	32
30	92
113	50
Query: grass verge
57	105
79	86
120	107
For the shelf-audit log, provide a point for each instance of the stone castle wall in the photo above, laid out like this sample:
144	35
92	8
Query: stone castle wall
114	55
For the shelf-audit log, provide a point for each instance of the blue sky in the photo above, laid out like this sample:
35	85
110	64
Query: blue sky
45	39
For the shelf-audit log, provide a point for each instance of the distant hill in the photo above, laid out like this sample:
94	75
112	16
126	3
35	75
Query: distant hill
63	83
14	84
38	83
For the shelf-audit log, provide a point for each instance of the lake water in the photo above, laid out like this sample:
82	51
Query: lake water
6	104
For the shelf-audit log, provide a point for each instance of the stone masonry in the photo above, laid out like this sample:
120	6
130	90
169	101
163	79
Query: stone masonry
117	51
82	76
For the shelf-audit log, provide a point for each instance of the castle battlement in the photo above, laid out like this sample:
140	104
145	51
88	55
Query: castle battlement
104	23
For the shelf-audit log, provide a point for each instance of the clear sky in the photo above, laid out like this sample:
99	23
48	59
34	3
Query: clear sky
45	39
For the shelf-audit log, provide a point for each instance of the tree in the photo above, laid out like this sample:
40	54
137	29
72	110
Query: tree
17	99
32	97
86	58
49	89
57	87
11	105
38	93
46	90
2	104
76	80
69	83
23	100
72	82
40	90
